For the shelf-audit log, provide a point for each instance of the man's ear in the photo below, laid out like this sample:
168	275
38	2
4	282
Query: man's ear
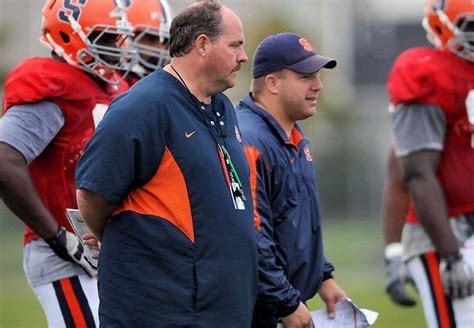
202	44
271	83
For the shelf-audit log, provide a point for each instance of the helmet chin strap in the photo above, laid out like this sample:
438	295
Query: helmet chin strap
58	50
431	35
78	29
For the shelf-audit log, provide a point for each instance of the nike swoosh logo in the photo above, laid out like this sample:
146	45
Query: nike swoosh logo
189	135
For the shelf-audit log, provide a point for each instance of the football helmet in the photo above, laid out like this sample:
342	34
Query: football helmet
91	35
450	25
151	22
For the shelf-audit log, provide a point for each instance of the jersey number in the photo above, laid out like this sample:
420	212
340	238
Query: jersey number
470	112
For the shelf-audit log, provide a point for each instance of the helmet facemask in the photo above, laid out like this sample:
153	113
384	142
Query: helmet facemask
91	35
107	52
152	46
462	44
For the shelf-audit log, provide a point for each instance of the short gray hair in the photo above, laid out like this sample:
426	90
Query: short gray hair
202	17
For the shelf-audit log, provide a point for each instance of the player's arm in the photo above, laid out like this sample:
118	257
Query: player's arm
420	176
419	131
25	131
275	293
419	136
395	200
394	209
19	194
95	210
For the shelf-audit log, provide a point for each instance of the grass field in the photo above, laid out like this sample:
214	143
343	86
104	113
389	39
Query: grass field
355	248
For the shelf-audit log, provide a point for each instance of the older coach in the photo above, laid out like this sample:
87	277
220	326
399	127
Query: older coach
164	184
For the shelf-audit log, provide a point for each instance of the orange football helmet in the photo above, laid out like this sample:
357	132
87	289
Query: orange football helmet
90	34
151	21
450	25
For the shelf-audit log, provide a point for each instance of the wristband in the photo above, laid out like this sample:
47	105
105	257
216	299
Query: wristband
451	258
55	240
327	275
393	250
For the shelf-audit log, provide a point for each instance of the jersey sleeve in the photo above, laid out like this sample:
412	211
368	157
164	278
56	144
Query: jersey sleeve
418	127
275	293
117	158
29	128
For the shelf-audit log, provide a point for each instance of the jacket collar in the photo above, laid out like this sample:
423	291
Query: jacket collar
297	138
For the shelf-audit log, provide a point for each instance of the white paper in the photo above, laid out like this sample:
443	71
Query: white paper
80	227
347	315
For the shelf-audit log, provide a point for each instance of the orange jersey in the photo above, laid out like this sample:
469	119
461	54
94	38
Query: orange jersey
78	96
434	77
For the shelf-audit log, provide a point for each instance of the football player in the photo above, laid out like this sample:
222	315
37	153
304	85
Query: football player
50	110
151	21
432	97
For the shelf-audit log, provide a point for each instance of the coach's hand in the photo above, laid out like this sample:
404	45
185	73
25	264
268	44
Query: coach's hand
301	318
66	245
457	276
395	278
92	243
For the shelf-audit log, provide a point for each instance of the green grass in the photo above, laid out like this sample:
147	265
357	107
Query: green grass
18	305
356	250
354	247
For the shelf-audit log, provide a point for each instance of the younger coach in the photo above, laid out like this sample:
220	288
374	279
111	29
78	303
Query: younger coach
292	265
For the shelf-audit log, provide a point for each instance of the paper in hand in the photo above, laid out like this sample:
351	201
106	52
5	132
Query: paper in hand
347	314
80	227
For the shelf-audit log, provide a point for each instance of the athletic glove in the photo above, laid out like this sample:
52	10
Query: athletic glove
396	276
457	276
67	246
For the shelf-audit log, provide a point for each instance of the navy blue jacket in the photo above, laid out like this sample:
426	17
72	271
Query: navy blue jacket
292	264
176	252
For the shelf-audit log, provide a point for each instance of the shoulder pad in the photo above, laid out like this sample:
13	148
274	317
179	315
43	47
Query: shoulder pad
417	77
36	79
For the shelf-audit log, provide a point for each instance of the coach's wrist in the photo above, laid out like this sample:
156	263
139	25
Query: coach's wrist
289	305
328	275
288	310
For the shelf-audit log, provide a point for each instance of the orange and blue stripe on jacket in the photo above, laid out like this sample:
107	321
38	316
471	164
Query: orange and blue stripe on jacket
292	264
176	252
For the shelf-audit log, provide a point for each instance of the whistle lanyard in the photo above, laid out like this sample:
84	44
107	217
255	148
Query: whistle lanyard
230	173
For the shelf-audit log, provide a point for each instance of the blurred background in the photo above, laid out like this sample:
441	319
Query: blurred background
350	132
